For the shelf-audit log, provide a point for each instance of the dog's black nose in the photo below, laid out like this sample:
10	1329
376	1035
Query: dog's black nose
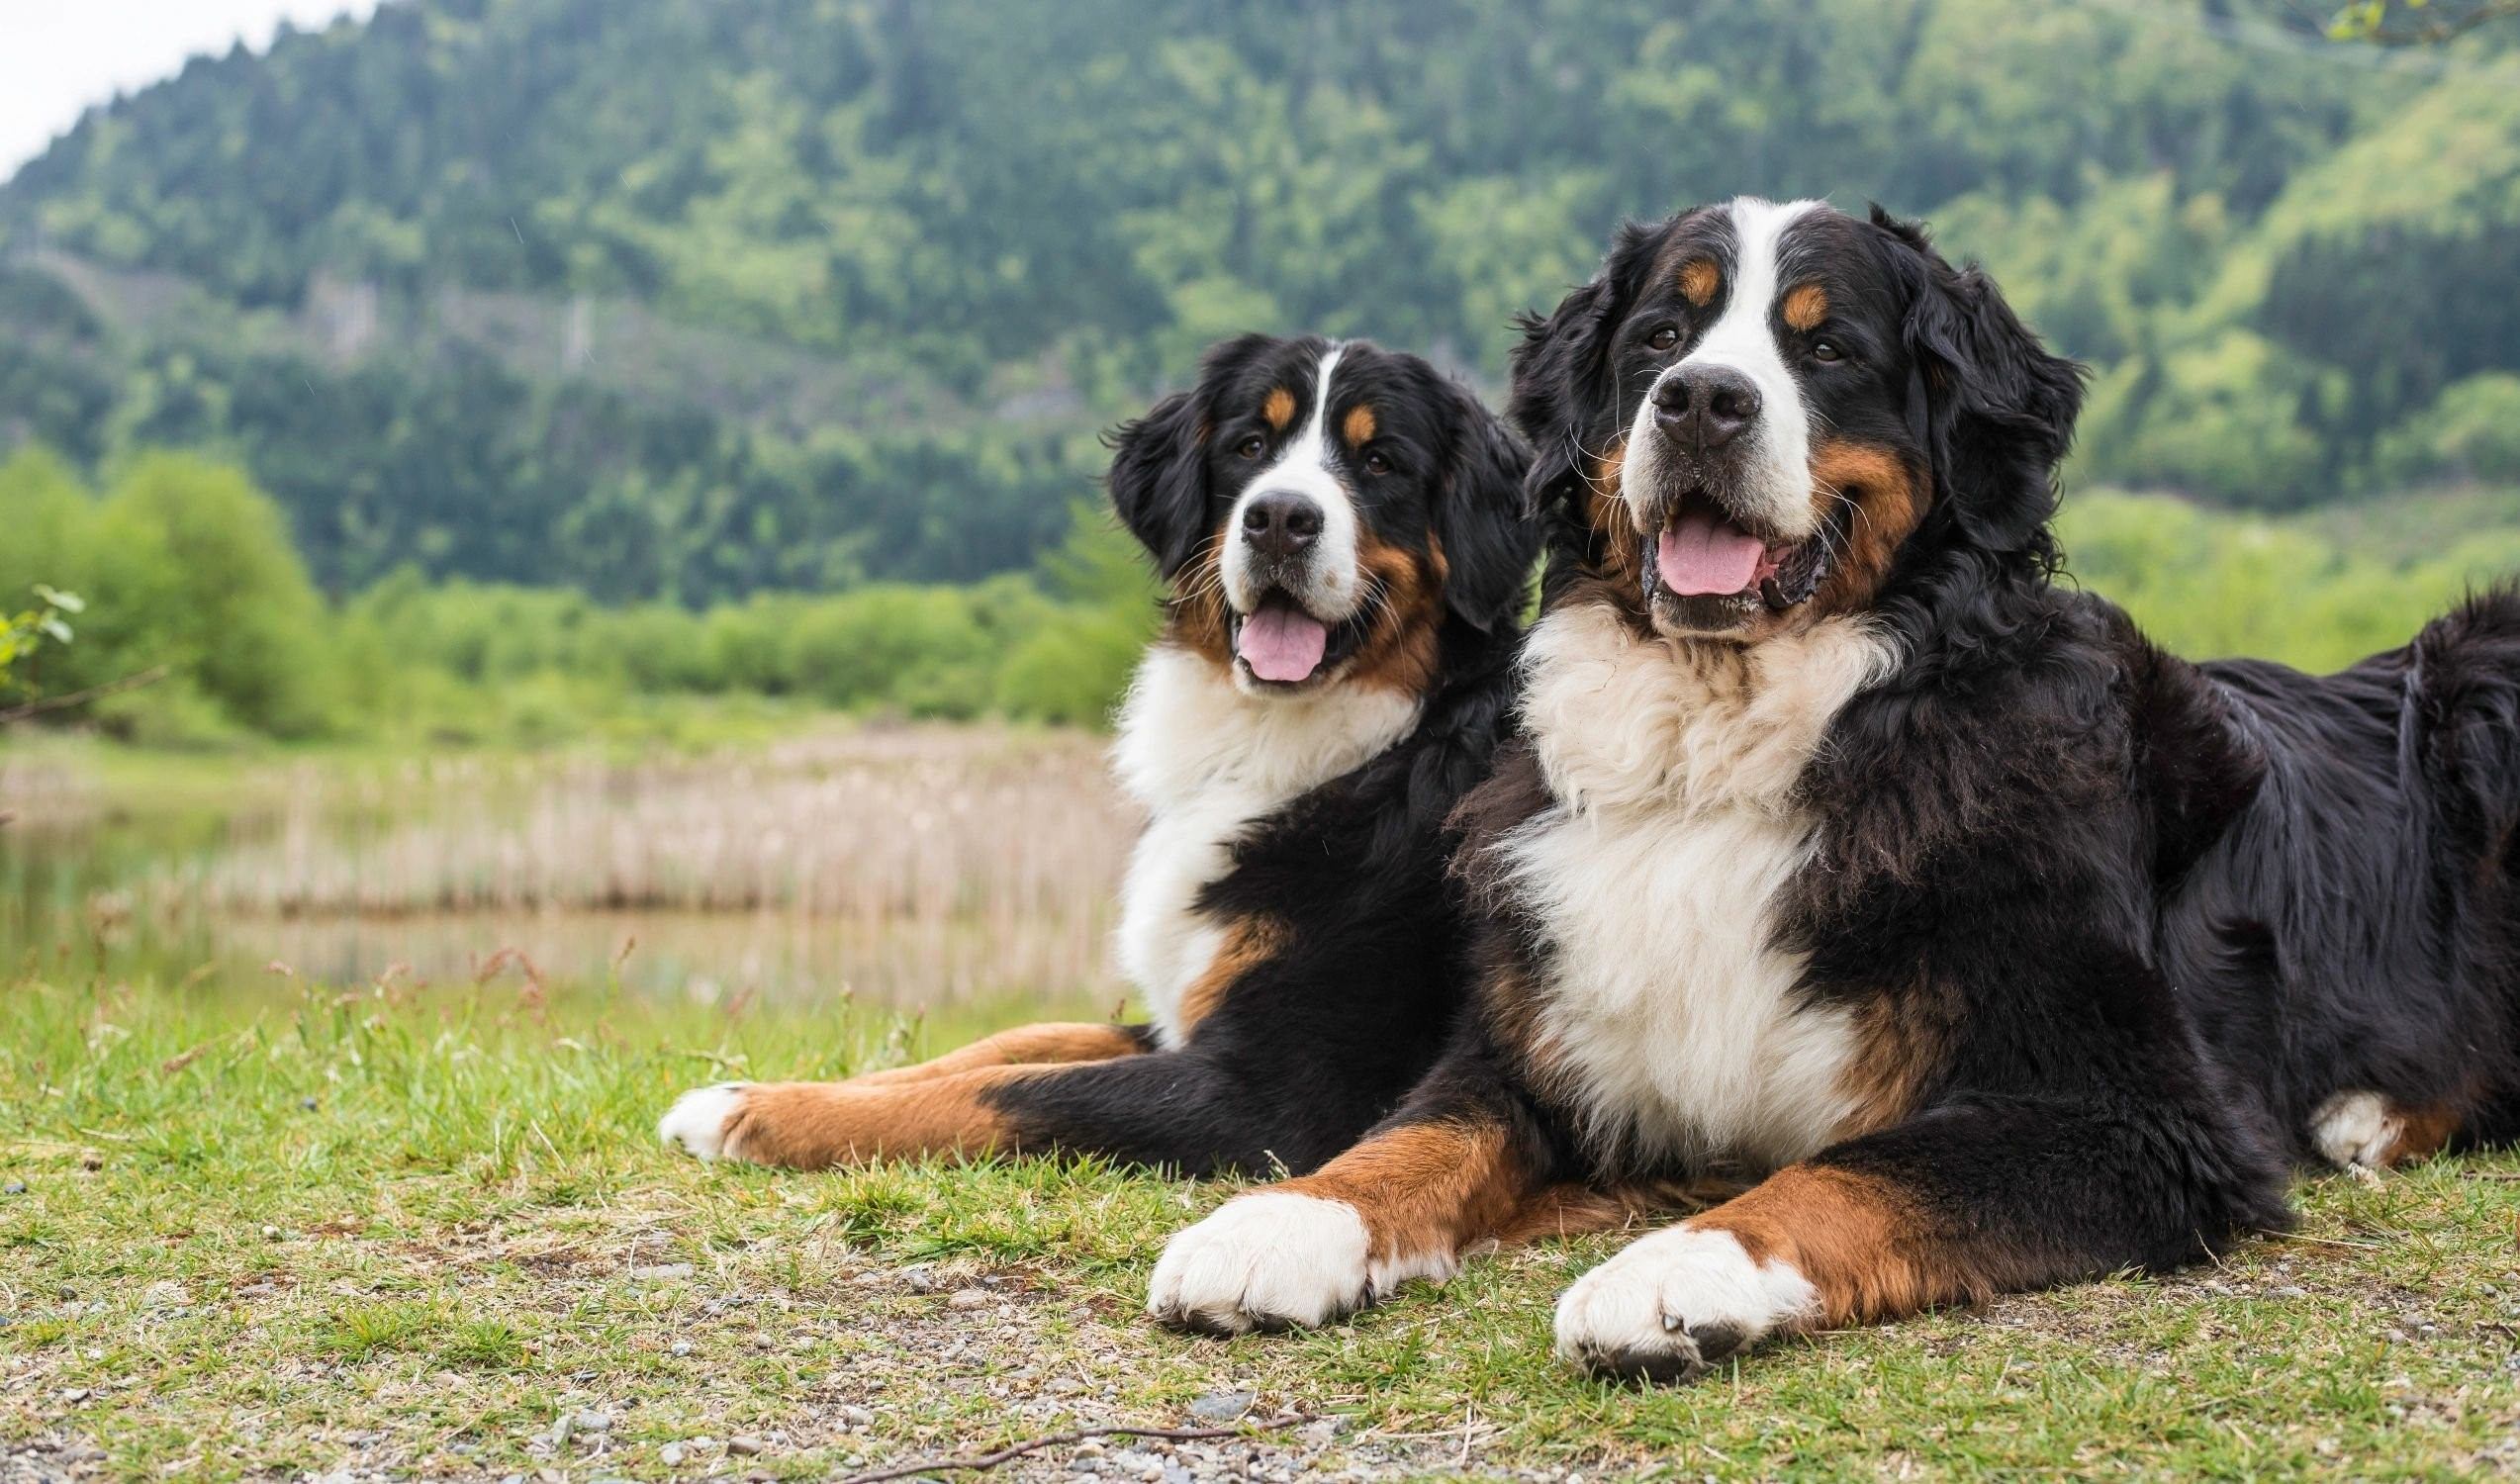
1279	524
1704	407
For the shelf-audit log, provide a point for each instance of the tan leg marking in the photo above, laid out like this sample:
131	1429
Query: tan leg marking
1024	1046
1425	1188
1902	1040
1855	1238
818	1125
1249	943
2423	1133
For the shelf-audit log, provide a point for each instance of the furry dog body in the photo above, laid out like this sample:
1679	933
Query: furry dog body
1342	530
1846	861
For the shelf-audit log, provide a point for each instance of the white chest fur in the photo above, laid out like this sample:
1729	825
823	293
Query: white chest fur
1207	762
1671	1017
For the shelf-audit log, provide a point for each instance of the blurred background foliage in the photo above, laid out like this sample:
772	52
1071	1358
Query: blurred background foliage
530	354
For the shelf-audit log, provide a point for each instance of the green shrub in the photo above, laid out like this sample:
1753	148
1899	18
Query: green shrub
2472	432
2205	585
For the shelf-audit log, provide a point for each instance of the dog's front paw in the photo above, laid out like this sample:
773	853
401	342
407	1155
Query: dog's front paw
1264	1262
1676	1302
698	1122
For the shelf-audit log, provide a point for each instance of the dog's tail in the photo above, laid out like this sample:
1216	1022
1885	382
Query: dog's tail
2464	688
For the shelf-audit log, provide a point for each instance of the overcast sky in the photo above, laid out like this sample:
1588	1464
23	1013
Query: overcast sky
58	56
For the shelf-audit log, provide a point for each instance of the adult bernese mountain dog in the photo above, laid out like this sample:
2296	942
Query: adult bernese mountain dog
1846	857
1344	535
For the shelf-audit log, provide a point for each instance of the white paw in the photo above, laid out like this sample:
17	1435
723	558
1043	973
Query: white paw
696	1122
1674	1303
2355	1130
1266	1261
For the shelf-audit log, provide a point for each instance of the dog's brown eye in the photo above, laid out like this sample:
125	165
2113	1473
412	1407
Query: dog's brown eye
1663	338
1377	464
1251	447
1827	350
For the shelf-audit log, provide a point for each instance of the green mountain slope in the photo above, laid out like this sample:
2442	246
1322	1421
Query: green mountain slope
688	300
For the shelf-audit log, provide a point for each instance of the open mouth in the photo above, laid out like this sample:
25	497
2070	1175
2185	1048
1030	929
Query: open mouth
1705	557
1281	644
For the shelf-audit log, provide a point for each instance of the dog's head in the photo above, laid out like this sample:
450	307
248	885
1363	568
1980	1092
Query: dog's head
1319	508
1763	409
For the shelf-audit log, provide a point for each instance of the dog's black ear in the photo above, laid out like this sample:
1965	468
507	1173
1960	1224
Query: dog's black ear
1490	539
1562	368
1557	369
1995	408
1158	479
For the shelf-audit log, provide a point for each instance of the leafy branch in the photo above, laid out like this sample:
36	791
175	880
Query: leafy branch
23	635
48	624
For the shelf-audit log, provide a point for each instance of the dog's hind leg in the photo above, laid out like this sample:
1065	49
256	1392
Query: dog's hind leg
1047	1044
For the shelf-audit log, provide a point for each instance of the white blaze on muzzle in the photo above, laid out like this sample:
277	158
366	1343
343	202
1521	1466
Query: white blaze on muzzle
1287	604
1770	472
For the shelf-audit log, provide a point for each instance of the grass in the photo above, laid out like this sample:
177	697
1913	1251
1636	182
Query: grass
904	862
429	1232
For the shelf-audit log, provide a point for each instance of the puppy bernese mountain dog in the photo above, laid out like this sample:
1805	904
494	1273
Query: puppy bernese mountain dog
1845	858
1344	535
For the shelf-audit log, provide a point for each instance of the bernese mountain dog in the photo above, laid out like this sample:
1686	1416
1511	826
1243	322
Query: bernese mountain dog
1344	536
1846	859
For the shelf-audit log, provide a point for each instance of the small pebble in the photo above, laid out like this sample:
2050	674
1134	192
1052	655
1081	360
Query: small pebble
972	1298
1223	1405
659	1272
857	1416
15	1187
591	1421
671	1455
270	1233
743	1446
679	1348
307	1103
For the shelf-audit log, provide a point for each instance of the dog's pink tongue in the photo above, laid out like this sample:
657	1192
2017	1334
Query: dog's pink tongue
1282	644
1699	554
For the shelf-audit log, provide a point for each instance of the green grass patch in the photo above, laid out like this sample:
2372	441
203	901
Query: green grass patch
428	1231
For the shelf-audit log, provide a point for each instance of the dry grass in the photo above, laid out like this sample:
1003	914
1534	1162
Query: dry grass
910	864
926	823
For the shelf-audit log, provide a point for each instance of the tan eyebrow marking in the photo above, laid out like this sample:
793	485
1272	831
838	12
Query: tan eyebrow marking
1279	409
1805	305
1359	425
1699	279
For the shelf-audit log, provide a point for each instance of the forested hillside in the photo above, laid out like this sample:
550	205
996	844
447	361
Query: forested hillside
685	300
